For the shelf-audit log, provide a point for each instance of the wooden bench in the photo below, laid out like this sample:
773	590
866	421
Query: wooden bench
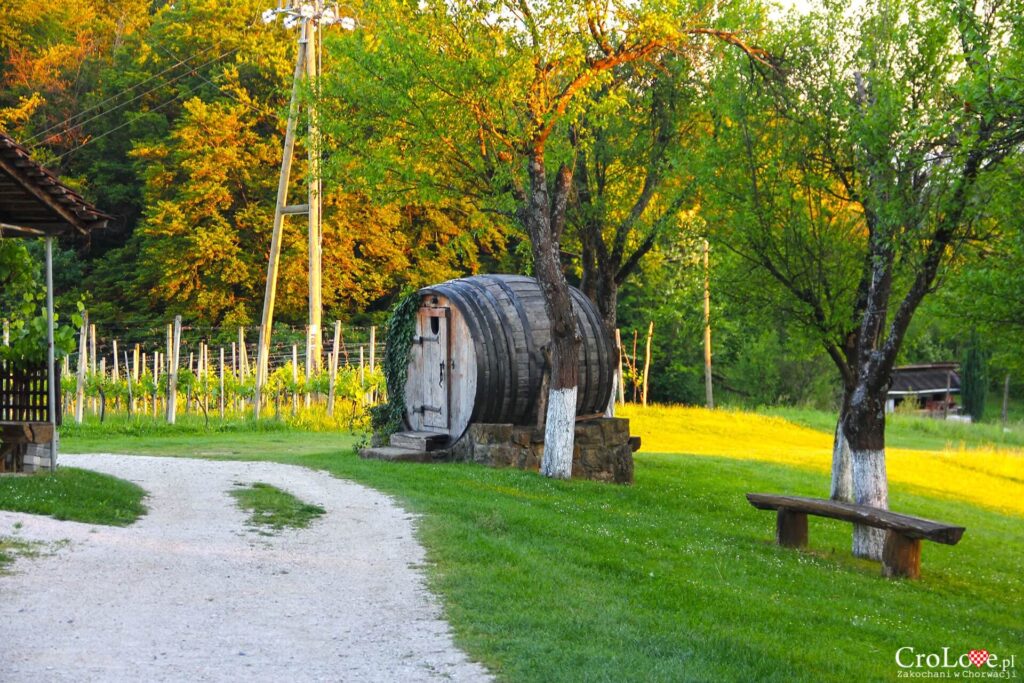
901	556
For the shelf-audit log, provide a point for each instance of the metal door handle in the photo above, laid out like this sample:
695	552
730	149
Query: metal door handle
440	382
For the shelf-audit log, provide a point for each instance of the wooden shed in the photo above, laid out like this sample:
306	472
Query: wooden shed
35	204
478	355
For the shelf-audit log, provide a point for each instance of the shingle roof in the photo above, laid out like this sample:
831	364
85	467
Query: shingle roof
33	198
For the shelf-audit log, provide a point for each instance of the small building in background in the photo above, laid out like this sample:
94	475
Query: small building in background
931	388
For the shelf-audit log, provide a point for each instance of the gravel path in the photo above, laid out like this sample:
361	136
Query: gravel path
190	593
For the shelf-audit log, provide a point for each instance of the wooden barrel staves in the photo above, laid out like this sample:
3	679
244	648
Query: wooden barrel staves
478	355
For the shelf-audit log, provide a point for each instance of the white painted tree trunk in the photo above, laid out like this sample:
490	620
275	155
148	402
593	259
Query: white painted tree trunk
870	487
842	468
559	430
609	411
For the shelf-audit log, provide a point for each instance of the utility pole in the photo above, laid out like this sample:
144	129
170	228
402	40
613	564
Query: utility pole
309	16
710	397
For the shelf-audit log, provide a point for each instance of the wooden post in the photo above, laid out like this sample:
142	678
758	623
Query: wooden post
901	556
309	361
708	390
156	380
222	382
135	371
373	356
172	377
295	378
647	360
92	361
333	368
117	371
128	377
362	376
791	528
243	356
82	360
622	384
270	295
1006	398
636	386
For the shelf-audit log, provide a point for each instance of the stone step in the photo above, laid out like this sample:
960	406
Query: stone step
418	441
394	454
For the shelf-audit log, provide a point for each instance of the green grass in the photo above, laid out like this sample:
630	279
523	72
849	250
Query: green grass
74	494
910	431
674	578
275	509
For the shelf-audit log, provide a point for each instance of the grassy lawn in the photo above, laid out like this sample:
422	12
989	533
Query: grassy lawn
275	509
676	577
74	494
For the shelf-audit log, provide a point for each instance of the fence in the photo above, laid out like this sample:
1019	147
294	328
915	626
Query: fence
128	370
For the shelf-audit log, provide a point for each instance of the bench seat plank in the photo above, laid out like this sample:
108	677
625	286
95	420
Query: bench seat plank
911	527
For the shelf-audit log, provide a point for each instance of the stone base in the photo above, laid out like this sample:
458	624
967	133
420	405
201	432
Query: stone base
602	450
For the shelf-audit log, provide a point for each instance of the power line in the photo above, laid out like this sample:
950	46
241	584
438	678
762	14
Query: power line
113	97
137	97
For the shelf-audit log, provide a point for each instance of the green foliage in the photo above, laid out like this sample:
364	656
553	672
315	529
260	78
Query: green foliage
387	418
23	308
74	494
974	378
275	509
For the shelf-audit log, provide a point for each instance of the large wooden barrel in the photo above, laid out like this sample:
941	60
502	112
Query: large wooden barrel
478	354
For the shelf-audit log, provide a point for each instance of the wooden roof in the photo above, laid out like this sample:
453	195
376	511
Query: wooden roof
33	202
925	379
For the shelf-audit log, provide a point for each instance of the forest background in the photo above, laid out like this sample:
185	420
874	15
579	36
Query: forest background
169	116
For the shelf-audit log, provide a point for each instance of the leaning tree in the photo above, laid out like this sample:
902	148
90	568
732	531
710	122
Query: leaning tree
850	175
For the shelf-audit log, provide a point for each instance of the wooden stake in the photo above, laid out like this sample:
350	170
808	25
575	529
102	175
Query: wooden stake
172	378
156	380
333	368
128	377
636	385
243	356
295	378
117	371
82	360
362	376
222	382
622	384
647	360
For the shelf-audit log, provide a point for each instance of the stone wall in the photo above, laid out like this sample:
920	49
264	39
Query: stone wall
602	449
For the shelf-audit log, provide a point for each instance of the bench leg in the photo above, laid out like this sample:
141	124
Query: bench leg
901	556
791	528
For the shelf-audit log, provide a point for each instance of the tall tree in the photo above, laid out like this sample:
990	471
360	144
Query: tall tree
476	100
860	162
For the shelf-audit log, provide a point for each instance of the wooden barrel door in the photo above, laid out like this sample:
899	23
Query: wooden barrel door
434	355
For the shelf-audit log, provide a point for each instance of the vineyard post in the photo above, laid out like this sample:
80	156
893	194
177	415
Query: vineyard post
310	343
295	379
144	409
156	380
128	377
116	375
647	360
333	368
172	377
622	380
373	355
135	371
222	382
362	376
92	360
80	387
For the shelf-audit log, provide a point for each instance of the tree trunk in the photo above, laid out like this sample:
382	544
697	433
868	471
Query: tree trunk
842	466
864	427
544	219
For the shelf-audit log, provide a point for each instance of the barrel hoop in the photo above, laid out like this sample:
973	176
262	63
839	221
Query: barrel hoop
508	393
488	391
533	382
